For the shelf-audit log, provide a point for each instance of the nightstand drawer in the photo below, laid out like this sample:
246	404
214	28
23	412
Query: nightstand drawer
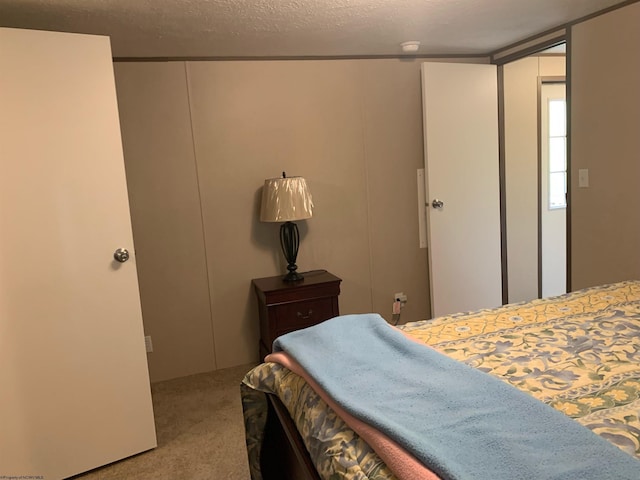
294	316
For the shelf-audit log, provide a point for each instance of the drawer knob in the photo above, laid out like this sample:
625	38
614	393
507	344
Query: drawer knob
305	317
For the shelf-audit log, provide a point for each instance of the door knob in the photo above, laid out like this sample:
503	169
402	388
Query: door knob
121	255
437	203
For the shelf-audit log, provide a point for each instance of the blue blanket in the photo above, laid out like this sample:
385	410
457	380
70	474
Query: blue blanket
459	422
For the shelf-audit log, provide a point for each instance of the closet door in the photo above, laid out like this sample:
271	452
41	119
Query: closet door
75	386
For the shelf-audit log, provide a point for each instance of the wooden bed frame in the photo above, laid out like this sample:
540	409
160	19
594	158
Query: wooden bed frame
284	455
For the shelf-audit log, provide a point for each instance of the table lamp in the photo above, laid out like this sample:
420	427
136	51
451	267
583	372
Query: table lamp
287	199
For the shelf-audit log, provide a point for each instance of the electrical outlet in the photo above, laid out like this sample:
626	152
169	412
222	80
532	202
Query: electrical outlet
148	344
400	297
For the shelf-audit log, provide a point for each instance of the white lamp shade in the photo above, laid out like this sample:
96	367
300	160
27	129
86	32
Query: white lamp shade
285	200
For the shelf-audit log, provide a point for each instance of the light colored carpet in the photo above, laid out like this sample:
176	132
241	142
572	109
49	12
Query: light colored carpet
200	432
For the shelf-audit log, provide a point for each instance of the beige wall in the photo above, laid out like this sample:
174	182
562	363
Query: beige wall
521	169
201	137
166	217
605	126
199	140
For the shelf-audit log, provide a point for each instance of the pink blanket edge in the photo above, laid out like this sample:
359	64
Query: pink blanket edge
403	465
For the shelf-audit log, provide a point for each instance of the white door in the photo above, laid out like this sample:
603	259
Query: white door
75	385
460	108
553	171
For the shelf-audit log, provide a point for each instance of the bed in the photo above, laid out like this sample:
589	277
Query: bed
577	353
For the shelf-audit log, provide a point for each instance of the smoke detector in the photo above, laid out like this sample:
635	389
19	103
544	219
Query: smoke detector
410	47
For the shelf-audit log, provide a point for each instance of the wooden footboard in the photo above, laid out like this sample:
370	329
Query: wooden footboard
284	456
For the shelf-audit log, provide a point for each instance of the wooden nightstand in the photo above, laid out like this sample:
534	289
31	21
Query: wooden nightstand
286	307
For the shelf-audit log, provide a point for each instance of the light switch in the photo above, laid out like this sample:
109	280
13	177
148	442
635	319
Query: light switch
148	344
583	177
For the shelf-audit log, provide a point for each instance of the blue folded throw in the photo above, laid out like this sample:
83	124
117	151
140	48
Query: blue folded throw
458	421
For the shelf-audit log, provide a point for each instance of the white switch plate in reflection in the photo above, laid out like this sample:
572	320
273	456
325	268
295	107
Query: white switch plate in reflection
583	177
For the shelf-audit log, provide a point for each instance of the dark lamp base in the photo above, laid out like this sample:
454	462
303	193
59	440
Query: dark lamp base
290	241
292	277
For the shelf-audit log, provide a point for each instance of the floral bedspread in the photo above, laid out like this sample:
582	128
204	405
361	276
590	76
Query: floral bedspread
579	353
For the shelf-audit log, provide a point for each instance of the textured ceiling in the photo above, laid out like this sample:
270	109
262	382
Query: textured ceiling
282	28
